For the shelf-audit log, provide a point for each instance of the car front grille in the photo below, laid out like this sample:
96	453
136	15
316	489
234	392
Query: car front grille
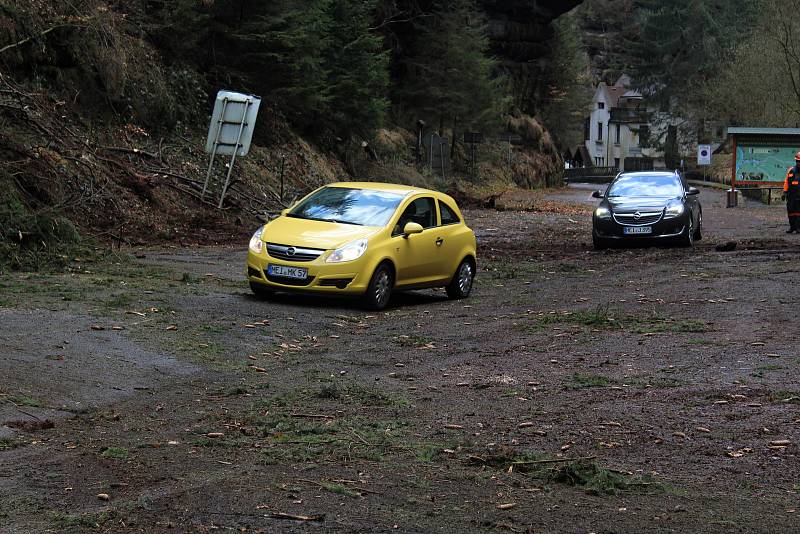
290	253
638	218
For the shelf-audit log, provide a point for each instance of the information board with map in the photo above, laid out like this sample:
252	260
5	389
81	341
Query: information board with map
763	163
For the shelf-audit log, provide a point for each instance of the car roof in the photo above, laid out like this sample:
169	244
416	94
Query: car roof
379	186
650	173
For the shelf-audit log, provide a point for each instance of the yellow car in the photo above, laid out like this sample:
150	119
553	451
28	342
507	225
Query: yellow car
364	239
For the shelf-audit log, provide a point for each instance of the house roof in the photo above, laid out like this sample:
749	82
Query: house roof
764	131
615	92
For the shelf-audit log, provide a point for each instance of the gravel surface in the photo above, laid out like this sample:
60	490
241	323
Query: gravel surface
630	390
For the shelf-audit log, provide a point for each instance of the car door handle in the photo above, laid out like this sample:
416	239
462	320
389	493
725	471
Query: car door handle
439	242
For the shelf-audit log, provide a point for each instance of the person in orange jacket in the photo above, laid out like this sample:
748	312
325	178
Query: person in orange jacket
791	194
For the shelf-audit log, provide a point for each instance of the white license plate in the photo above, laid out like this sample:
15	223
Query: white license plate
287	272
637	230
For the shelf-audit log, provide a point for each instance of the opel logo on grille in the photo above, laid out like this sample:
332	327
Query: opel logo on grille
637	215
290	251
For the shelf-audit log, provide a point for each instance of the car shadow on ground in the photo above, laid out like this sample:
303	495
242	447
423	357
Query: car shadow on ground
399	300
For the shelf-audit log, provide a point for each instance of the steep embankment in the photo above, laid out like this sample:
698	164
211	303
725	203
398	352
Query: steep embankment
101	135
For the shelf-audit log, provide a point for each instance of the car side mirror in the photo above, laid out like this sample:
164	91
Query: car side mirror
412	228
597	194
693	191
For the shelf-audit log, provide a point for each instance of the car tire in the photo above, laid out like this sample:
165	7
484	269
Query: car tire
698	233
687	238
379	290
460	285
599	243
260	291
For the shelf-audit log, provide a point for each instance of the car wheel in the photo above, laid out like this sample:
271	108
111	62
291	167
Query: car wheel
461	284
599	243
380	288
698	233
260	291
687	238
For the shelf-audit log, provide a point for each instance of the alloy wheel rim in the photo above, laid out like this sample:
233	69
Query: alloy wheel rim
382	287
465	278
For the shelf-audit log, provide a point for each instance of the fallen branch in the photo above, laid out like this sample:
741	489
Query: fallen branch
32	37
555	461
126	150
311	416
292	517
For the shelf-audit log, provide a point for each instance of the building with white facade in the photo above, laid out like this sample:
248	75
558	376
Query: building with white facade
616	126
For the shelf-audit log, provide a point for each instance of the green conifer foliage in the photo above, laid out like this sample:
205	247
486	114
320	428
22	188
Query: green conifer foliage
449	78
358	70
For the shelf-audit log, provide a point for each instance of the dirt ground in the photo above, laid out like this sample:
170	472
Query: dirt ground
630	390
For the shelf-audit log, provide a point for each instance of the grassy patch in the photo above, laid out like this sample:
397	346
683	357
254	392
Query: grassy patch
603	318
597	480
585	473
7	444
355	393
299	440
586	381
88	520
339	489
411	340
115	453
20	400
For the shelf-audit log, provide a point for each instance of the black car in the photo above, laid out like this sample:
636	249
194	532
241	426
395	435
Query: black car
657	206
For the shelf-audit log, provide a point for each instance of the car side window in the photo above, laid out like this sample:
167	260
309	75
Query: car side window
421	211
448	215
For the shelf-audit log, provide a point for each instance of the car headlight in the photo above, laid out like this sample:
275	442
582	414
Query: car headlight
602	213
256	245
674	210
349	252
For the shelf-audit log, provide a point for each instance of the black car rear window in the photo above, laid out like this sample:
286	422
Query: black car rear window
646	185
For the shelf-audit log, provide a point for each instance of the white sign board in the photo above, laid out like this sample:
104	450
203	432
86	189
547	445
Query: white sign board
704	155
232	123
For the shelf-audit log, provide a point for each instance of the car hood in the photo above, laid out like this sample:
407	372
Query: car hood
632	204
313	234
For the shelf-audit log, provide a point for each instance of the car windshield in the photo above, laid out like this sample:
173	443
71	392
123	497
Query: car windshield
363	207
648	185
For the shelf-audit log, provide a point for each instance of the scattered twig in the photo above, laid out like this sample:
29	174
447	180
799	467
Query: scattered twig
356	434
554	461
293	517
311	416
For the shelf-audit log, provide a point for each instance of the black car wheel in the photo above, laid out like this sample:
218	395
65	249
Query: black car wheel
599	243
687	238
260	291
461	284
698	233
380	288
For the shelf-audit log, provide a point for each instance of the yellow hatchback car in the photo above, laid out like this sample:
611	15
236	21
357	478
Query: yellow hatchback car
364	239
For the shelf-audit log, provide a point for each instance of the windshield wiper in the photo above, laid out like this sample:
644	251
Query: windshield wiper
339	221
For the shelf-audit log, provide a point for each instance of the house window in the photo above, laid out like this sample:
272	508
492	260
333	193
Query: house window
601	105
599	131
616	163
598	161
619	129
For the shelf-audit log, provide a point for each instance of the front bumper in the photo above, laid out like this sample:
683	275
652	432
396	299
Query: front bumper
349	278
663	229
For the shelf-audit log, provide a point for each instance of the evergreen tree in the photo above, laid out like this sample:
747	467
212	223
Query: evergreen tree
567	82
283	52
358	70
683	43
448	76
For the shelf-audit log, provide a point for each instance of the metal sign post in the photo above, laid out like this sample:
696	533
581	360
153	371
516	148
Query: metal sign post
230	132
